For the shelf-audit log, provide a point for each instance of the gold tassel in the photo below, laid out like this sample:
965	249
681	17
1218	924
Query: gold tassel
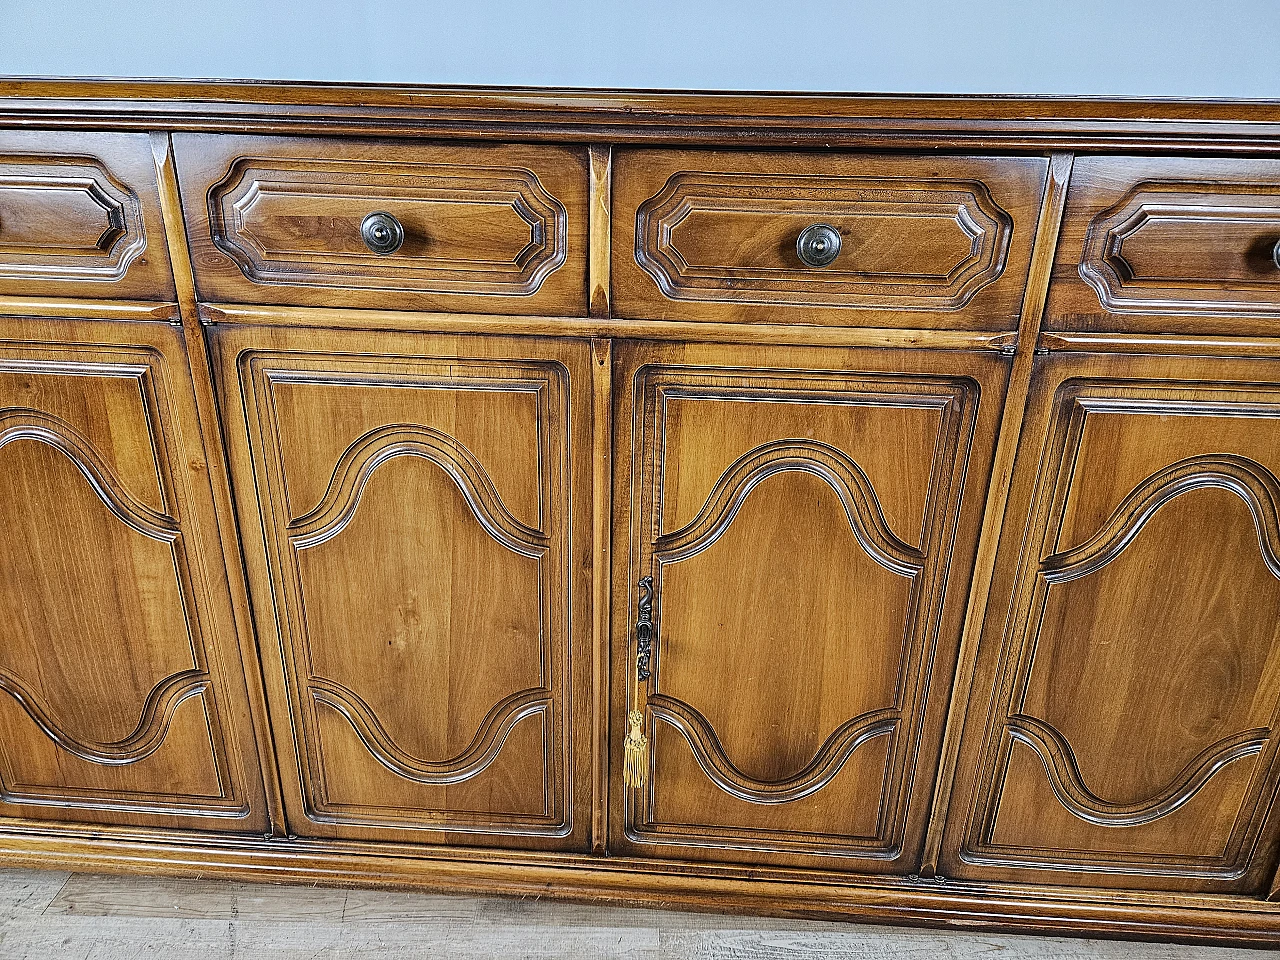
635	756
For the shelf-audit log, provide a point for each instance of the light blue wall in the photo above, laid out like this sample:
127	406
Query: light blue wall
1187	48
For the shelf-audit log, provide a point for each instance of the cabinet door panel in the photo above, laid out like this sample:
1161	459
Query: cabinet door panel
809	546
1130	675
122	696
416	501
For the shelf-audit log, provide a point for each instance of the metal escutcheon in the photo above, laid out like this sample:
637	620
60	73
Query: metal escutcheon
382	233
818	245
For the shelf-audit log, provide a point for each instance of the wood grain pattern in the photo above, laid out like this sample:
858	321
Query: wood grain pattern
798	523
495	229
79	217
1169	245
1128	739
416	506
123	694
712	236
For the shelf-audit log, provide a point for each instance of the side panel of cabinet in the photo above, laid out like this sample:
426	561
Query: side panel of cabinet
122	697
1121	728
416	511
809	521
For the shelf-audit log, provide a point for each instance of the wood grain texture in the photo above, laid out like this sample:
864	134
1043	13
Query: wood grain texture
416	506
1169	245
600	214
79	217
818	121
123	694
1131	647
924	242
804	528
496	229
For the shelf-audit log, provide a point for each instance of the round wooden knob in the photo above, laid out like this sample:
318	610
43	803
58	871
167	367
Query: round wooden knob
818	245
382	233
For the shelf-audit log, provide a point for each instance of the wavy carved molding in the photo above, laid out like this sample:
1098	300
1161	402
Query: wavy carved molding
833	466
827	762
337	507
871	531
471	761
66	218
1247	479
366	454
164	699
1069	787
262	217
981	229
1174	220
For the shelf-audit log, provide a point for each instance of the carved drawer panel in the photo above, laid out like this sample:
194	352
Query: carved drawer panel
1122	729
805	535
917	242
1169	244
499	229
122	697
422	571
80	217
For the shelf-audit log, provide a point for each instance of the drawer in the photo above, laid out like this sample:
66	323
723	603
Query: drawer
917	242
80	217
386	225
1184	245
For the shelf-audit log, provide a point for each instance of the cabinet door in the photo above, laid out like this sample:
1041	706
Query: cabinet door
122	696
1121	725
417	510
808	521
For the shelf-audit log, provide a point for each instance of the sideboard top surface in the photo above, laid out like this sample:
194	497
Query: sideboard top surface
639	116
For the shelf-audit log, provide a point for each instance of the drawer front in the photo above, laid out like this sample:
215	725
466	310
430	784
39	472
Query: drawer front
80	217
931	242
489	229
1153	244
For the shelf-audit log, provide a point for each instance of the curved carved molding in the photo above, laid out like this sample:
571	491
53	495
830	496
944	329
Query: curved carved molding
1174	215
1068	785
358	462
478	754
73	220
836	468
982	231
1249	480
148	735
21	423
827	762
257	191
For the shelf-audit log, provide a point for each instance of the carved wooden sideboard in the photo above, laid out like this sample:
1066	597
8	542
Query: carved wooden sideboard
819	505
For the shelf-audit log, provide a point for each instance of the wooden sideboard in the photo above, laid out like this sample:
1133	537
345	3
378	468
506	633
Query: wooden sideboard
832	506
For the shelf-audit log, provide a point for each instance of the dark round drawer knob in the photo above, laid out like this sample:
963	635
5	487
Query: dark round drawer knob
382	233
1275	254
818	245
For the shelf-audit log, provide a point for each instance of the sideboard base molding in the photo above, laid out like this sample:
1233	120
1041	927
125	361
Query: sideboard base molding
1025	908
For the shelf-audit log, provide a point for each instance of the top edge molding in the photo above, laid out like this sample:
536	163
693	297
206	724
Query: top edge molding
812	120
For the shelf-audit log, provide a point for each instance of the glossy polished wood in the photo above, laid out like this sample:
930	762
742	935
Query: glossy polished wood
1169	245
1121	722
962	543
495	229
416	505
809	537
123	691
712	236
79	217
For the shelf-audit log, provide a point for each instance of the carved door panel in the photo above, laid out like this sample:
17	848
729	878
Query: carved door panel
805	522
122	696
1120	731
420	584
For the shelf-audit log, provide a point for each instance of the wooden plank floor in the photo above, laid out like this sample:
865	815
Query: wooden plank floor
58	916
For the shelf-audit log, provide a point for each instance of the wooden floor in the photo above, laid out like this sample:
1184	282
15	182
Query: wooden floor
59	916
